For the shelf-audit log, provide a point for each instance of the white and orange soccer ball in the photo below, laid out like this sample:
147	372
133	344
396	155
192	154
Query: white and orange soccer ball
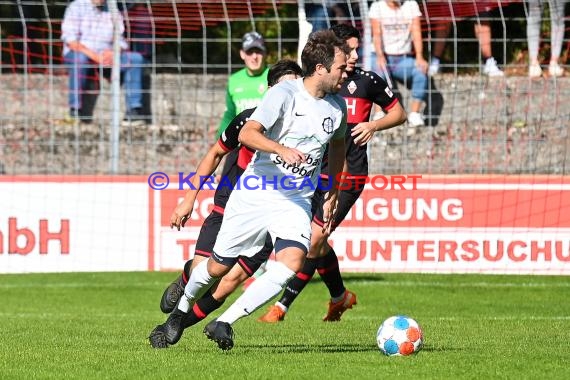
400	336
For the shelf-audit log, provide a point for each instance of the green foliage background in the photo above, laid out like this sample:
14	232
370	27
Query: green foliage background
509	37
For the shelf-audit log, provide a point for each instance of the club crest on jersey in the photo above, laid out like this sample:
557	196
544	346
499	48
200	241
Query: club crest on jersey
328	125
351	87
261	88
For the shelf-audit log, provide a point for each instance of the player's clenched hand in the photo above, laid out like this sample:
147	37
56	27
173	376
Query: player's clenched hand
329	211
291	156
362	133
180	216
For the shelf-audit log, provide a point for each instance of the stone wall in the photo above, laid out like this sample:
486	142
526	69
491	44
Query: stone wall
505	125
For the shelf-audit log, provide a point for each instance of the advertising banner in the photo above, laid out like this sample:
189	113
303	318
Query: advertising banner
475	224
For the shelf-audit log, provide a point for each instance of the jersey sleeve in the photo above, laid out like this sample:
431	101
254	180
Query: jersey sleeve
229	113
271	107
229	138
380	92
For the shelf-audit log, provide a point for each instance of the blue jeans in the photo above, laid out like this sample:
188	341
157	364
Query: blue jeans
403	69
318	15
79	66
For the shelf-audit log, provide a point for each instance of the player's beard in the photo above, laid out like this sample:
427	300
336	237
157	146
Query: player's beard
335	88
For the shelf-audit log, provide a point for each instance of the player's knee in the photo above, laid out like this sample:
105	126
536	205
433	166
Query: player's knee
291	253
216	269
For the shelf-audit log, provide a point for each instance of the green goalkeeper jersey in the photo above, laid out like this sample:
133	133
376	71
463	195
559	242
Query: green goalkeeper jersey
243	92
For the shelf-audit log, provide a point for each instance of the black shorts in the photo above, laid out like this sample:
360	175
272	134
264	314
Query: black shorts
346	199
207	239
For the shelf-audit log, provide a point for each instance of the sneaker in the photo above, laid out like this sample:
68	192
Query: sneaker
433	68
77	115
157	337
415	119
221	333
555	70
134	118
491	69
534	71
274	314
174	326
337	308
172	294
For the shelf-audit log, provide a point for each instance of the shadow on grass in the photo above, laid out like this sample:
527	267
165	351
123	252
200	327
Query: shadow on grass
356	277
335	348
433	349
318	348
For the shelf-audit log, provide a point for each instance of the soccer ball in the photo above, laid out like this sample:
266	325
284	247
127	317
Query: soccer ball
399	336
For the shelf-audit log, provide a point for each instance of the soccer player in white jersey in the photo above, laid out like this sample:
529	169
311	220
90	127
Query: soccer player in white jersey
289	129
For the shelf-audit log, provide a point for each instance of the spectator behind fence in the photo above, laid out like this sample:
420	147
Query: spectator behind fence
315	15
322	14
246	87
482	29
534	21
139	20
87	33
395	28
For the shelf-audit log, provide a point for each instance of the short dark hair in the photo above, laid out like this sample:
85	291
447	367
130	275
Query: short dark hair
345	31
281	68
320	49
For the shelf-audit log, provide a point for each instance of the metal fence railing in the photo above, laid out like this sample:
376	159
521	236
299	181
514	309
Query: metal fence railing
479	124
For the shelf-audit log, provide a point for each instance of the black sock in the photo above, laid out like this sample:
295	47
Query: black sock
186	271
201	309
330	274
298	283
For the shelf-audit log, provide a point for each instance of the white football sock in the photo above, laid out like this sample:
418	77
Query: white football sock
281	306
258	293
198	283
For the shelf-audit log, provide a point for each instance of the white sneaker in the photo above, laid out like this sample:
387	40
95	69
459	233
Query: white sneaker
415	119
555	70
534	71
433	68
491	69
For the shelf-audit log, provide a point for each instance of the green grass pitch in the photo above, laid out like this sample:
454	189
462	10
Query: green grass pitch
95	326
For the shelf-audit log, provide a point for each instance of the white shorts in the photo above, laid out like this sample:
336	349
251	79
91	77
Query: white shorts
251	214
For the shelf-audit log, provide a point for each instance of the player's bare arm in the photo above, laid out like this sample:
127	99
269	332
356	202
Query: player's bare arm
363	132
205	169
336	167
252	136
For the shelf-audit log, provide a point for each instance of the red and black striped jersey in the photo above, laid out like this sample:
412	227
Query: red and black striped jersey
236	160
361	90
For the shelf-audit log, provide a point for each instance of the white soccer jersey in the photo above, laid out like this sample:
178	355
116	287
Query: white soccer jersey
296	119
396	25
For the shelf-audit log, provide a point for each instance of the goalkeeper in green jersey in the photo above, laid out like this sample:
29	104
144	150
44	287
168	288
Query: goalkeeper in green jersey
246	87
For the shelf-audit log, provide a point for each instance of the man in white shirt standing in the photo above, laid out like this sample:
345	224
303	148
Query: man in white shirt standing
87	34
396	28
289	129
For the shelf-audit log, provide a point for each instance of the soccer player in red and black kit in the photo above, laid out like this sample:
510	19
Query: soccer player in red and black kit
361	90
238	156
